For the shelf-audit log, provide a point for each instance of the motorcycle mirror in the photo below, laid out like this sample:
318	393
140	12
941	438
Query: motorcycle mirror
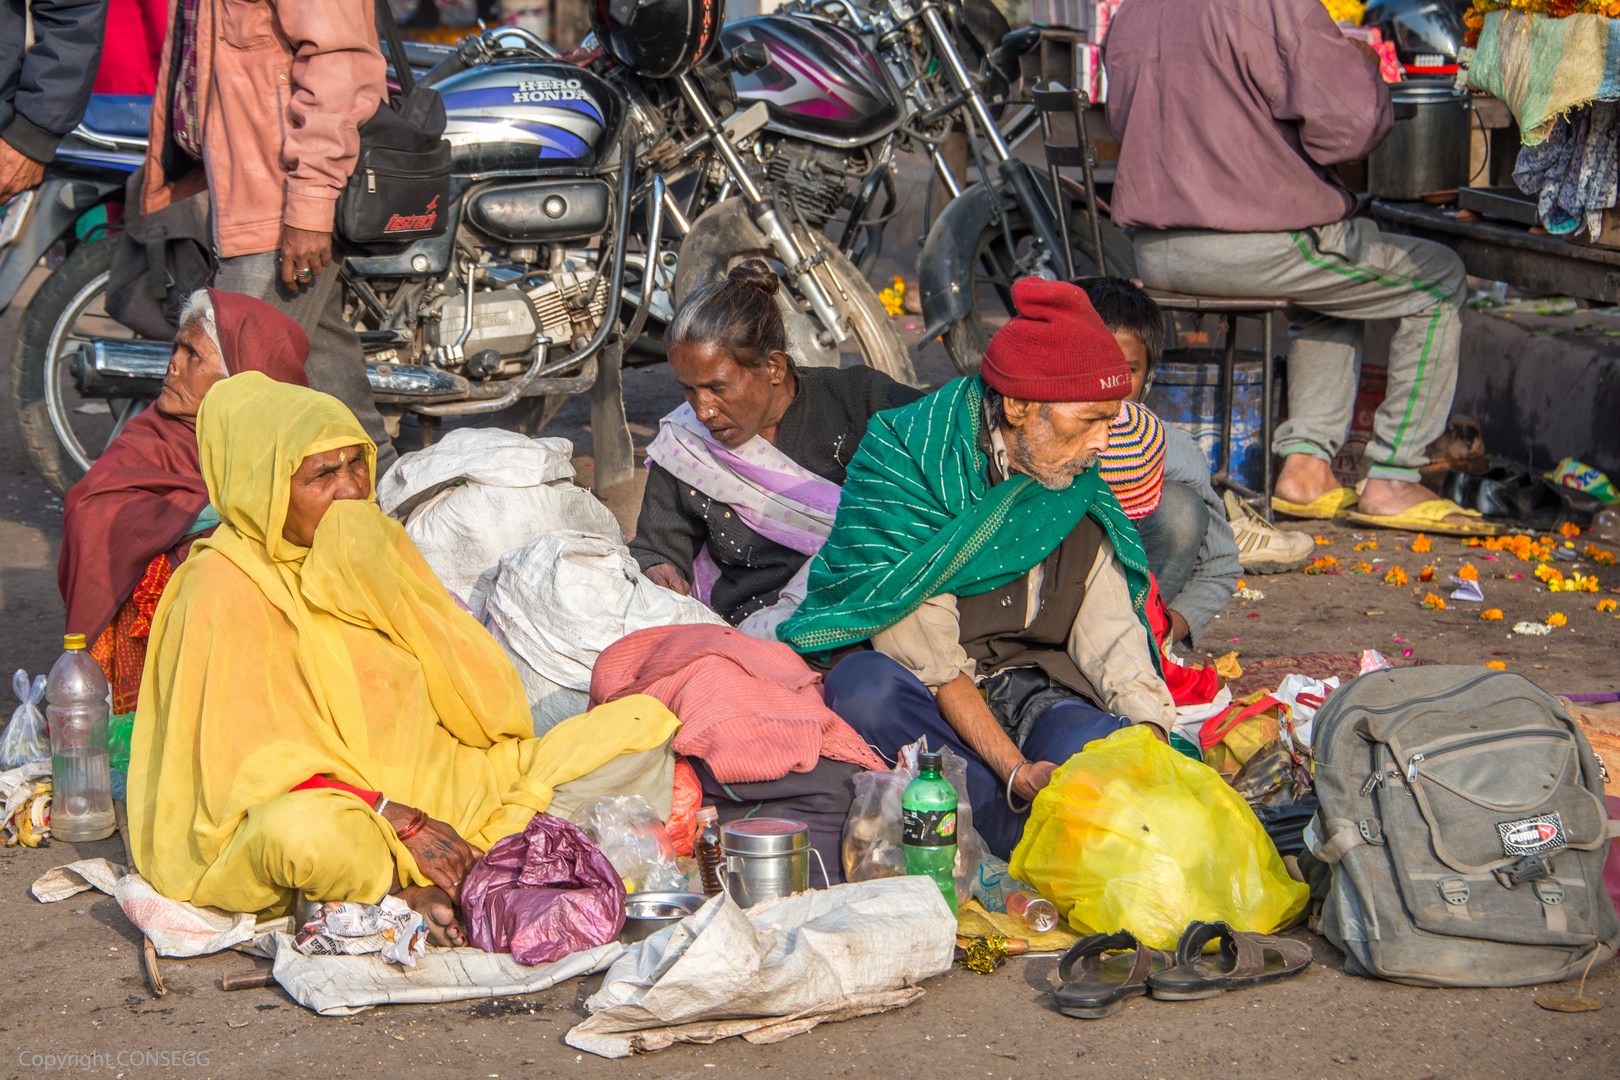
1013	45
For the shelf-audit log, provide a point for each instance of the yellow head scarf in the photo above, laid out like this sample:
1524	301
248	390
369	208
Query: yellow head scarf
270	663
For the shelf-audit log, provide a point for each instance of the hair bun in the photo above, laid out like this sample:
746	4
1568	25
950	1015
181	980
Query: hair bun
755	274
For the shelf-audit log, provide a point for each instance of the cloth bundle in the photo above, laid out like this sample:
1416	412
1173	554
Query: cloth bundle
751	709
478	493
555	603
1542	68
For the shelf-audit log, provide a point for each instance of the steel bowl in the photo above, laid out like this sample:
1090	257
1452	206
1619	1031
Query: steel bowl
646	913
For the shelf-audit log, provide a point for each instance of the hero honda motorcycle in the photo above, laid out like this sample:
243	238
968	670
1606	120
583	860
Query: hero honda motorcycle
795	117
558	260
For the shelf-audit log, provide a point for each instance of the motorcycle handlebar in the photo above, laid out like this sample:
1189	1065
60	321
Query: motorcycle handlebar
453	64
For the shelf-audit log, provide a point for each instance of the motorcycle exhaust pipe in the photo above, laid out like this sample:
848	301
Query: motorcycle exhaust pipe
132	368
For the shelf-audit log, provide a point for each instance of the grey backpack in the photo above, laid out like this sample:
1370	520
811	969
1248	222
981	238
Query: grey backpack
1462	812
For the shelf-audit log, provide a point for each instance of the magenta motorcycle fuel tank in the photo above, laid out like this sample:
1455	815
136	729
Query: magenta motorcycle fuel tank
522	118
822	83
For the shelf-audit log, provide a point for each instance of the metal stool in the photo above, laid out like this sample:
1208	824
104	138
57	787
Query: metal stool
1055	98
1231	309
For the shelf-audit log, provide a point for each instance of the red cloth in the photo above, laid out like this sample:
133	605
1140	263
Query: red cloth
132	46
1188	685
121	648
1055	349
313	782
751	709
143	494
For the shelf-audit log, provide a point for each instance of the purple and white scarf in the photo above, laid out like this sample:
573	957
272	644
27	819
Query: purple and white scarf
771	493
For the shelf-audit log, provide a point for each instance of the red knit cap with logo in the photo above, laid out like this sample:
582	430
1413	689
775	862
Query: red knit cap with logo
1055	349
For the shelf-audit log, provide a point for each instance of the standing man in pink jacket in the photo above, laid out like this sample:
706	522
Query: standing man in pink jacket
261	102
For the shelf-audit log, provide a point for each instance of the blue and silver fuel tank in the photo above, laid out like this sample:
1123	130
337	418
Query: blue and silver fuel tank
521	118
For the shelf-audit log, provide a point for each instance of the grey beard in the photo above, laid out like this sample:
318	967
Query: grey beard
1058	479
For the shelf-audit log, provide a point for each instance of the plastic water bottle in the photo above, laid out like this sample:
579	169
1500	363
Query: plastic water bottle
706	848
1038	913
81	785
928	833
1606	525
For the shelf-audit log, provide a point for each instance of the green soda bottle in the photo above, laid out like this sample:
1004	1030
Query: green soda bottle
928	813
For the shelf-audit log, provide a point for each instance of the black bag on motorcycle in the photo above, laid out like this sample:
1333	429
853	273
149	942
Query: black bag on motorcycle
160	260
401	181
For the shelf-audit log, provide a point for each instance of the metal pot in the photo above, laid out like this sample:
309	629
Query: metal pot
1427	149
765	858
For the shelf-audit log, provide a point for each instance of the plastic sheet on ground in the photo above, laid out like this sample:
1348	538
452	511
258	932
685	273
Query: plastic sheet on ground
773	971
478	493
343	985
174	928
555	603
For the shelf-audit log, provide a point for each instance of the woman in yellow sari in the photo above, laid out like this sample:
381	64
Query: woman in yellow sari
306	645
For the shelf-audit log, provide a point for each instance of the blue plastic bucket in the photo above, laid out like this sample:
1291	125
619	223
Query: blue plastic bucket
1187	393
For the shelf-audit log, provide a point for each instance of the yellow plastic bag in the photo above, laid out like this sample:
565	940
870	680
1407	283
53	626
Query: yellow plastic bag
1132	835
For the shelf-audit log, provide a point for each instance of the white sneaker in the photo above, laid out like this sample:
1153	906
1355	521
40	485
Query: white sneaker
1262	547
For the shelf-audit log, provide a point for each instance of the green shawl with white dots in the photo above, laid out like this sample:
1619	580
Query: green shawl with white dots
918	518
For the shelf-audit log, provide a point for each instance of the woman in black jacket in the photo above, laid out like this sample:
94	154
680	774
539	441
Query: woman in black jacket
743	479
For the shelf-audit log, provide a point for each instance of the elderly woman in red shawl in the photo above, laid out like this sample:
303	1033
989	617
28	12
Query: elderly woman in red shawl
133	517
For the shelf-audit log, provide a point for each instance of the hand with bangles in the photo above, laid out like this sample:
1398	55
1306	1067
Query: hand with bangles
444	857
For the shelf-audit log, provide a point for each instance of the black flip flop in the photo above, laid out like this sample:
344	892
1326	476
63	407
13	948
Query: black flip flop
1103	982
1245	960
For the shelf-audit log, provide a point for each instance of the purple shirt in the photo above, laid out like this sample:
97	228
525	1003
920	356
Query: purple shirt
1229	114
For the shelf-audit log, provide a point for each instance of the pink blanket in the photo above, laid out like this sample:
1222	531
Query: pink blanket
751	709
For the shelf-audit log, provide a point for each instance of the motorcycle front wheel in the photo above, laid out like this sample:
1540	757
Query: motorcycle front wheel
996	265
63	432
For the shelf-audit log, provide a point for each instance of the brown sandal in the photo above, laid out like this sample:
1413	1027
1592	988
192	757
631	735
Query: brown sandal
1245	960
1104	982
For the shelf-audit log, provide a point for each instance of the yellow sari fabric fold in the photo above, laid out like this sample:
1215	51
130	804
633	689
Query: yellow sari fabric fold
270	663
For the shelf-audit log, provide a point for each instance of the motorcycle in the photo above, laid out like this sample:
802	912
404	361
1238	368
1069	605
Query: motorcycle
558	262
850	89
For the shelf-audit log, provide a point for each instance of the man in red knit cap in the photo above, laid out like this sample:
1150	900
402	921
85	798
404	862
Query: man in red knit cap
990	571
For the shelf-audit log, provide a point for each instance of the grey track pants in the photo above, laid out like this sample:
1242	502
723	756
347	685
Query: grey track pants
1338	276
336	364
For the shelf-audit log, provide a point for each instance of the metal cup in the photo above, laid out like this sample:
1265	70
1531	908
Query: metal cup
765	859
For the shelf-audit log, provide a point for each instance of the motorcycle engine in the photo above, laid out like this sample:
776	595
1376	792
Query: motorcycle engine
568	302
811	178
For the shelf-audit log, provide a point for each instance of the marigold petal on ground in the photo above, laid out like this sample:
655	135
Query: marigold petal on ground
1434	603
1491	614
1468	573
1422	545
1557	618
1569	528
1497	665
1395	576
1606	605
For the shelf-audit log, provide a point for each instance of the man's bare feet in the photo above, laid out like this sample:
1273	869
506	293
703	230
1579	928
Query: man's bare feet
1304	479
1387	498
433	904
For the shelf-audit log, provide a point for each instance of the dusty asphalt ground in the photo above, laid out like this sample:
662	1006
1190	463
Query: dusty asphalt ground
71	984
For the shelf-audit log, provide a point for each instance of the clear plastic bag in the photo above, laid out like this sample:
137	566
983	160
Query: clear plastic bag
26	739
632	836
871	846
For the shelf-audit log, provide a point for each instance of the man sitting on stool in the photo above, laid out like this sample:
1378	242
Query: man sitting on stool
1230	116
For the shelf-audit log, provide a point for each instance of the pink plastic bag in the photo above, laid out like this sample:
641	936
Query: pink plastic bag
542	895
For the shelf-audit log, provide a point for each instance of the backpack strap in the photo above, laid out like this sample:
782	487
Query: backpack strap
1343	834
